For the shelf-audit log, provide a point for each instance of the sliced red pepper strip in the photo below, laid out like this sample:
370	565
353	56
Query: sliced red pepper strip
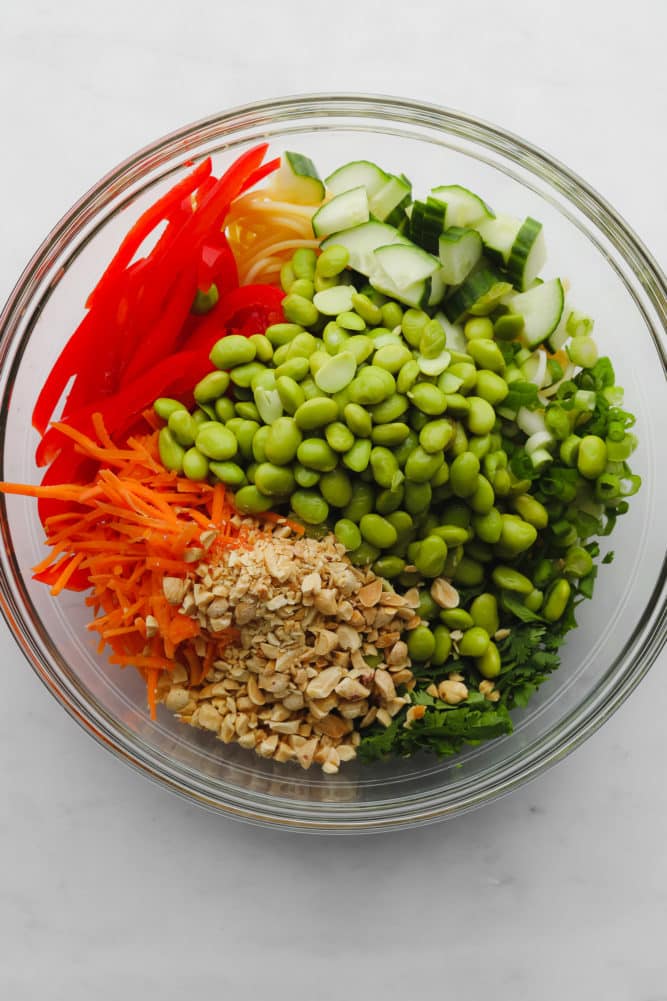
161	338
146	223
260	304
260	173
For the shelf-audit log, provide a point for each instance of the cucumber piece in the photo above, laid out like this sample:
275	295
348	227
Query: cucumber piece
464	207
459	251
395	194
406	264
362	240
297	180
415	295
479	294
527	255
438	288
344	211
358	173
541	308
498	236
427	221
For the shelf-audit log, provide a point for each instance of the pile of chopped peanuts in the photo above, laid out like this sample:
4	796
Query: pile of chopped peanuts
319	649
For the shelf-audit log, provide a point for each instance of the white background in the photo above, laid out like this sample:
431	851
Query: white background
109	886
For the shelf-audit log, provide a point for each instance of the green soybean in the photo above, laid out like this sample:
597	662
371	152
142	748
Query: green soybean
249	500
231	351
372	385
347	533
390	409
453	535
298	309
481	415
391	434
242	375
430	559
164	407
464	474
556	599
489	664
274	481
316	413
283	441
339	436
491	387
280	334
487	355
182	427
229	473
436	435
392	357
361	502
388	501
389	567
428	398
412	324
484	612
245	433
305	477
443	645
302	346
384	466
488	526
366	309
358	457
531	510
591	456
418	496
474	642
216	442
378	531
336	488
291	394
364	554
314	453
309	506
481	500
469	573
248	411
407	376
195	465
516	536
259	444
211	387
332	261
293	368
421	465
421	644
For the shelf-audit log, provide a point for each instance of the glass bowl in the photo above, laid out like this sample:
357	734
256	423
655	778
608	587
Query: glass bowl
620	632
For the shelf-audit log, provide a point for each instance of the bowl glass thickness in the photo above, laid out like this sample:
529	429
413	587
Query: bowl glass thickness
621	631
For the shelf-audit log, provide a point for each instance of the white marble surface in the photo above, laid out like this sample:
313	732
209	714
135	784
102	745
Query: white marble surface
109	886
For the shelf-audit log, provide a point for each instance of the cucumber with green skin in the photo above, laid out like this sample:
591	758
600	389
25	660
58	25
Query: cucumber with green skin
541	308
297	180
479	294
344	211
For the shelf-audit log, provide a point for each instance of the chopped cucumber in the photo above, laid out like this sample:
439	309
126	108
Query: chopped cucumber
498	236
464	207
415	295
297	180
405	264
361	241
527	255
344	211
459	251
395	194
438	288
454	337
358	173
479	294
427	221
541	308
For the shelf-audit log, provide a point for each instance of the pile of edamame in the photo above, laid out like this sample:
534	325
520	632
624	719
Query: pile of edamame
356	415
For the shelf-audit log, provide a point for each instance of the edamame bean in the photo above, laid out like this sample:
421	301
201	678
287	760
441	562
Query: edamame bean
486	354
436	435
305	477
313	453
443	646
361	502
336	488
182	427
392	314
390	409
216	442
304	287
248	411
481	501
372	385
402	452
389	567
211	387
195	465
428	398
378	531
232	350
248	500
491	387
432	339
488	526
245	433
332	261
304	262
390	434
474	642
358	420
283	441
242	375
481	416
421	644
464	474
298	309
412	324
418	496
466	373
316	413
229	473
534	600
404	526
516	536
392	357
350	321
556	600
468	573
427	607
430	558
281	334
484	612
489	664
309	506
591	456
385	468
478	326
335	373
366	309
388	501
364	555
274	481
259	444
347	533
302	346
263	347
361	346
339	437
578	562
531	510
291	394
287	276
479	445
421	465
224	409
453	535
164	407
407	376
359	456
457	405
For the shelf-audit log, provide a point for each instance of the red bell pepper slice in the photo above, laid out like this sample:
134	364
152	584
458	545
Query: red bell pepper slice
146	223
246	310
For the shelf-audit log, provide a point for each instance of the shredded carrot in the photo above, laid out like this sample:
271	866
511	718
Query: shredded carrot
128	528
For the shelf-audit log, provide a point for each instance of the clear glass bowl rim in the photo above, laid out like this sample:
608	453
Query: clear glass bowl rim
649	637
